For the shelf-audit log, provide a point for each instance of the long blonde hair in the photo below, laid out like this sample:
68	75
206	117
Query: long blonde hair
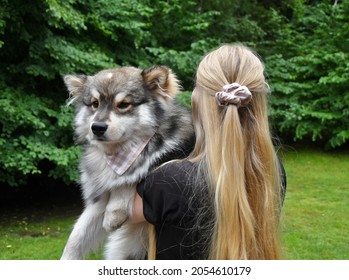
236	157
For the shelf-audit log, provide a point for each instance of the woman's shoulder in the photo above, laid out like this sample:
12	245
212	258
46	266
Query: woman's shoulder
173	172
177	166
165	191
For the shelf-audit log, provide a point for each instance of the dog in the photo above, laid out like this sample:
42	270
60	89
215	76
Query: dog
129	123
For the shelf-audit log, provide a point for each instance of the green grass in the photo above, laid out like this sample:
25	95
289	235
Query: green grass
315	222
37	234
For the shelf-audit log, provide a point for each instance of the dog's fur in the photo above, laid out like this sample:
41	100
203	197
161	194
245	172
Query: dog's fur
113	108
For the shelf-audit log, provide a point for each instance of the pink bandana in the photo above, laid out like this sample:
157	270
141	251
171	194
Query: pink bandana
121	161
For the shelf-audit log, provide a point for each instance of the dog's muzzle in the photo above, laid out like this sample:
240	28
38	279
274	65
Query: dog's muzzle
99	128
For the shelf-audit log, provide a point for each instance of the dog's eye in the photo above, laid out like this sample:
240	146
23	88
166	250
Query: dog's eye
124	106
95	104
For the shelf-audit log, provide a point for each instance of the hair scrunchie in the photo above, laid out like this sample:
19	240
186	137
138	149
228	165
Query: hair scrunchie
235	94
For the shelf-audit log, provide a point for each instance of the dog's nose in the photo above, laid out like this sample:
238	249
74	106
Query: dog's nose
99	128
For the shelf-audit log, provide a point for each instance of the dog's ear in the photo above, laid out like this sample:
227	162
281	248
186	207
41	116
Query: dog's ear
74	84
161	80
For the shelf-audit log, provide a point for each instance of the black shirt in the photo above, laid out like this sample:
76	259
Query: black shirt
169	204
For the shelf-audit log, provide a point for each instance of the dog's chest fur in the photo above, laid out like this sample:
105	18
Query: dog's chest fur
97	177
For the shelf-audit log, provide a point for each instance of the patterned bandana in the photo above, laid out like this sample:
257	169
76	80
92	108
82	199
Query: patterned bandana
121	160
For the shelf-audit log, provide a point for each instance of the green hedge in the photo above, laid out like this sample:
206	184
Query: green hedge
305	47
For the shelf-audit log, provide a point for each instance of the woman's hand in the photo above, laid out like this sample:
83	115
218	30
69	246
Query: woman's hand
137	211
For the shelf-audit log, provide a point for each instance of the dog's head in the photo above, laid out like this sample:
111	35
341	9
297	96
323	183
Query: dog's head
117	105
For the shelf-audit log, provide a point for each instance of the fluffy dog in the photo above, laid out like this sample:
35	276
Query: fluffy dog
129	123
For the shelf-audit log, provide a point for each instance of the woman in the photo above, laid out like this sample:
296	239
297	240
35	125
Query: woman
223	201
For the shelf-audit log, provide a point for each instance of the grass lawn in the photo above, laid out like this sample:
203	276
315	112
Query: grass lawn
315	223
38	232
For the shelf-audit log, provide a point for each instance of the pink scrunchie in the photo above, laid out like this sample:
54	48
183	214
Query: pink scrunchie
235	94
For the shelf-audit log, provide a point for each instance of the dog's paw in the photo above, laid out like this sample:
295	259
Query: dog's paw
114	219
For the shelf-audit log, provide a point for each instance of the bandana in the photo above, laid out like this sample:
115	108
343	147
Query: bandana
121	160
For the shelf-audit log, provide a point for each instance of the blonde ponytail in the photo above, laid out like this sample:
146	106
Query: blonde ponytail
231	199
240	163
